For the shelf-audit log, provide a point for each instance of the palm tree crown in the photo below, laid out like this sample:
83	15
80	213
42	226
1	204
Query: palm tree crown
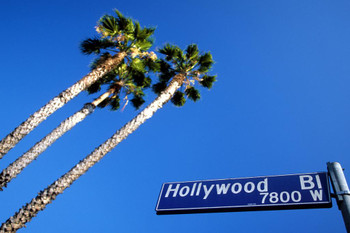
130	77
189	64
119	34
122	35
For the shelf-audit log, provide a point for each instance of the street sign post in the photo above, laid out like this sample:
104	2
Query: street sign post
341	189
297	191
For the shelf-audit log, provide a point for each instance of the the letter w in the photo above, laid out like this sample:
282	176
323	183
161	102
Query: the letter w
316	194
222	189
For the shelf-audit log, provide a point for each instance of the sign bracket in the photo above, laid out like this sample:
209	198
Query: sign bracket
341	189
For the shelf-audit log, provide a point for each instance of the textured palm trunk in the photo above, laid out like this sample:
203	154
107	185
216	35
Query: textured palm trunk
27	212
17	166
34	120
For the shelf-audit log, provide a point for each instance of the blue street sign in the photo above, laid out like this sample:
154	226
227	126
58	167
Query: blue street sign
297	191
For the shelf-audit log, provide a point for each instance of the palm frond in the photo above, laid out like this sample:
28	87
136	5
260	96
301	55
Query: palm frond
137	65
119	14
137	101
142	34
207	81
109	24
178	99
205	62
147	82
95	87
193	94
165	77
159	87
137	30
164	66
144	45
114	103
123	22
95	45
192	52
129	27
139	78
170	51
151	65
121	69
166	71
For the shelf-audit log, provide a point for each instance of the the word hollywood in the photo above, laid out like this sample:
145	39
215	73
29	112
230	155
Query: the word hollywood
200	189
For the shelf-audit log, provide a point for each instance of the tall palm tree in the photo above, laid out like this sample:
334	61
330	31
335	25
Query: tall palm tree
179	70
116	34
124	80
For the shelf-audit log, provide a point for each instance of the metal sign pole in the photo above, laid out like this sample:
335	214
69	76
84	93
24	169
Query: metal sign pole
341	189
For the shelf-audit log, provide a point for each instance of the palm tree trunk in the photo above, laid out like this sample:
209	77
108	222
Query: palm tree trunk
27	212
34	120
17	166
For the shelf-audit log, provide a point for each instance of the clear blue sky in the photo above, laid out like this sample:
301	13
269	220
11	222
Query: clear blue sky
280	106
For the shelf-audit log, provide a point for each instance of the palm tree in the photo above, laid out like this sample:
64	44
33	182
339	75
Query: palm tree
179	70
125	79
116	34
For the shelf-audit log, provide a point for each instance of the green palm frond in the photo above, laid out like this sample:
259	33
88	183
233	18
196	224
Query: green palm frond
151	65
180	56
125	24
159	87
137	101
109	24
137	30
94	45
144	45
206	58
192	52
114	103
140	79
193	94
94	88
137	78
121	69
139	92
165	77
119	14
146	33
205	62
207	81
130	26
178	99
142	34
164	66
166	72
147	82
170	51
137	65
